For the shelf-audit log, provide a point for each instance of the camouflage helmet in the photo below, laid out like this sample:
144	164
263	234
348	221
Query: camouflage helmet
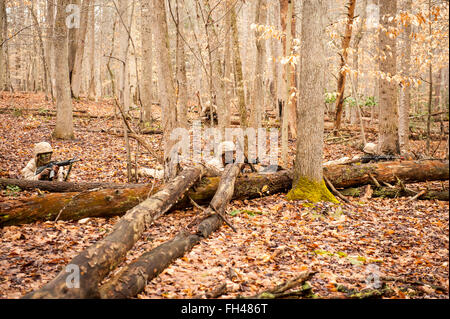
42	147
370	148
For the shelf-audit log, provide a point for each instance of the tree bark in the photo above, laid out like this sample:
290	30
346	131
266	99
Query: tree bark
258	86
343	72
308	176
405	91
181	70
388	139
167	87
92	95
64	118
147	61
133	278
41	47
238	71
77	68
2	51
112	202
98	260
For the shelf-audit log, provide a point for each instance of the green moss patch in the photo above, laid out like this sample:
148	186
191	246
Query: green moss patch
306	189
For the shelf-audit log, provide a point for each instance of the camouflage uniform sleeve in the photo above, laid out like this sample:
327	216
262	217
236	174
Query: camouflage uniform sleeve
29	171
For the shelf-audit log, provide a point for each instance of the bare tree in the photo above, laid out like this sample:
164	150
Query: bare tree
64	116
167	88
147	61
258	105
3	44
405	91
388	140
308	179
343	71
81	37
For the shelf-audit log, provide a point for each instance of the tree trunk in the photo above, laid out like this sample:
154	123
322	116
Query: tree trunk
388	139
167	88
97	261
133	278
287	20
288	101
49	48
308	182
123	37
64	118
2	45
147	61
72	40
405	91
342	71
108	202
224	113
92	94
42	51
238	72
181	70
77	68
258	105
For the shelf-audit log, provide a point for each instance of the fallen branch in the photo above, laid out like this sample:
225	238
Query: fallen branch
134	277
97	261
365	293
335	191
282	290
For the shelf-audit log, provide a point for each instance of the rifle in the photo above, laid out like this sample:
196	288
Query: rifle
51	164
379	158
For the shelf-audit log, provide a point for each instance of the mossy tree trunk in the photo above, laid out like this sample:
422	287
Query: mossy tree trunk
308	179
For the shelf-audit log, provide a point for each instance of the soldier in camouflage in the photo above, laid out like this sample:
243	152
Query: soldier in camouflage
42	156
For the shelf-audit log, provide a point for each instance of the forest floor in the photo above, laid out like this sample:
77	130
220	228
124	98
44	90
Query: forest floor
403	244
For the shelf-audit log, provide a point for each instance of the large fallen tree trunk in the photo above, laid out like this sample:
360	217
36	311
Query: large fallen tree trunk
61	187
72	206
97	261
134	277
253	185
398	192
344	176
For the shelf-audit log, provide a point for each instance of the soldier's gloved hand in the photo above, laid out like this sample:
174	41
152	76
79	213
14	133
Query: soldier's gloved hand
56	169
44	174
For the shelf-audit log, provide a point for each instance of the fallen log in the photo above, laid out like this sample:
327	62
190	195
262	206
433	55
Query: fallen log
284	290
61	187
344	176
398	192
93	203
72	206
98	260
115	202
134	277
